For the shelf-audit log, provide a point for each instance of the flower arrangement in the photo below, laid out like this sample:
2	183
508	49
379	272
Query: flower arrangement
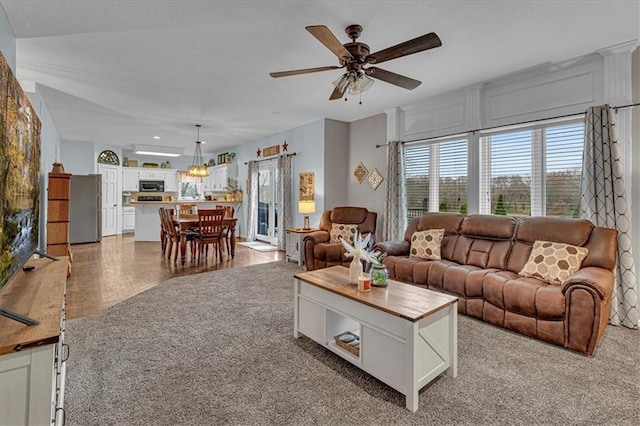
359	249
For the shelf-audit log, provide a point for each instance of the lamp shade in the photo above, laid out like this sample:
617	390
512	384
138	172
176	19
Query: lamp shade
306	207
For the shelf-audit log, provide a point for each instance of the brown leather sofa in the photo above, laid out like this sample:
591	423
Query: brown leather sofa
320	253
481	258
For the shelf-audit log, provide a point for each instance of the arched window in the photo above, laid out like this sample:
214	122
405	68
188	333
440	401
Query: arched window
109	157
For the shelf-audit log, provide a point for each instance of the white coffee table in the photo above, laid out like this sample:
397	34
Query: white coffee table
408	335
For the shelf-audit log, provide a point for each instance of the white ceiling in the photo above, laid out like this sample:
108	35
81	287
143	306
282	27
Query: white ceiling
120	72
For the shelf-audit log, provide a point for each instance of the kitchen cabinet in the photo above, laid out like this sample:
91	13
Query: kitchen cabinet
130	180
131	176
218	177
128	219
171	181
147	174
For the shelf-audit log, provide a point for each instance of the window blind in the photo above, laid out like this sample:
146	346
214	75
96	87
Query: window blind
417	179
564	149
452	188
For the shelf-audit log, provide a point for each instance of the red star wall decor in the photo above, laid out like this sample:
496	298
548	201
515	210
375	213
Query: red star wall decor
285	145
258	152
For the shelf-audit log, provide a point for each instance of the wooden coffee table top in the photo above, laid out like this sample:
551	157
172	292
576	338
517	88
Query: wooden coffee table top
403	300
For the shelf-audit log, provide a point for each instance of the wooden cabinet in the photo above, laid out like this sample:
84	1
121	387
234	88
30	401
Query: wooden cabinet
33	359
130	180
58	214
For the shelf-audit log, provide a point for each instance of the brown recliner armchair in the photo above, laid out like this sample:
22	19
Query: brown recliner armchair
320	252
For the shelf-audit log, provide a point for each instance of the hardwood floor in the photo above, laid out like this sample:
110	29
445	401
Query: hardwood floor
117	268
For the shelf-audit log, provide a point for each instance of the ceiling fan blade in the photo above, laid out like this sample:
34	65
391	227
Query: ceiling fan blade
393	78
302	71
336	94
418	44
326	37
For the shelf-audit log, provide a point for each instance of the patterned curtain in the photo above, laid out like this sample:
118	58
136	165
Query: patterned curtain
603	201
285	218
394	222
252	206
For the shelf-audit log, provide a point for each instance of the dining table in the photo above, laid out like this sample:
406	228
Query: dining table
183	223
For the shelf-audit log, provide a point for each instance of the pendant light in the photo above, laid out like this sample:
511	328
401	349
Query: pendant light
197	167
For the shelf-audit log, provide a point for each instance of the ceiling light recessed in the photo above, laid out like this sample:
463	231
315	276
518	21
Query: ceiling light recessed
162	151
156	137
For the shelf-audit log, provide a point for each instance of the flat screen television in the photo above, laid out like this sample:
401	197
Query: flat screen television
19	176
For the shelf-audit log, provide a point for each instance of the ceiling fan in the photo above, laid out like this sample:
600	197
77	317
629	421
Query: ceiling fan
355	55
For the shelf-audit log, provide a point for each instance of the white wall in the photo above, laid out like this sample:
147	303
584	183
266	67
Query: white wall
7	40
321	147
77	157
364	135
49	153
336	160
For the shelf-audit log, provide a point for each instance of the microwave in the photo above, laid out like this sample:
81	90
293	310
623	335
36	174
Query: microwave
151	186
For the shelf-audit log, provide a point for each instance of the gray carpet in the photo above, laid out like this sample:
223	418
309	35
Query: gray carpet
217	348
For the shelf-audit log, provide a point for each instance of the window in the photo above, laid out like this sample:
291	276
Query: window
532	172
108	157
417	179
452	187
190	187
436	177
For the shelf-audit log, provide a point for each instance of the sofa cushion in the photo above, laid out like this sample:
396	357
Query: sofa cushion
426	244
411	270
343	230
353	215
553	262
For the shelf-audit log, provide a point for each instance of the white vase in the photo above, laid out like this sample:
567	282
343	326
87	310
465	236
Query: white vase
355	270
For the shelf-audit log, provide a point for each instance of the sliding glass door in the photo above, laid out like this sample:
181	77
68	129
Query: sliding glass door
268	202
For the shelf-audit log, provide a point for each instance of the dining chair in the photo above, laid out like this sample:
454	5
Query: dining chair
187	210
210	231
229	211
172	234
163	227
163	231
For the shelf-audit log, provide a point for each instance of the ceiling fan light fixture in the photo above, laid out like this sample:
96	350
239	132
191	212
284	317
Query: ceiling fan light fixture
342	83
197	167
362	83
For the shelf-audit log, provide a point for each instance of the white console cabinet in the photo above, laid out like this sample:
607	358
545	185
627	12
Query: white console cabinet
33	358
295	244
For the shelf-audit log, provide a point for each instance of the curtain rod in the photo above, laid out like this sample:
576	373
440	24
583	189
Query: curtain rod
616	108
293	154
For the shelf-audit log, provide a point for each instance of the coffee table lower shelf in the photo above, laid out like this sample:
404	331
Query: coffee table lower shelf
404	354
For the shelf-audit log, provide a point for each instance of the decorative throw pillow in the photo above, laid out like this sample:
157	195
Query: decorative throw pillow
426	244
553	262
341	230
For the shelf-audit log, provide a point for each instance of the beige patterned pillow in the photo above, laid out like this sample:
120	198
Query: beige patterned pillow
341	230
553	262
426	244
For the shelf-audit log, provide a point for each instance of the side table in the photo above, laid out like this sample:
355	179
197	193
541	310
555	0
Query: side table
295	244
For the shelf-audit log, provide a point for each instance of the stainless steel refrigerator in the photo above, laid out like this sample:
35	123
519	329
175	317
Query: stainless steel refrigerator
85	209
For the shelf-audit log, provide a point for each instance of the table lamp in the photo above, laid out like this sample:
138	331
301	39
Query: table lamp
306	207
